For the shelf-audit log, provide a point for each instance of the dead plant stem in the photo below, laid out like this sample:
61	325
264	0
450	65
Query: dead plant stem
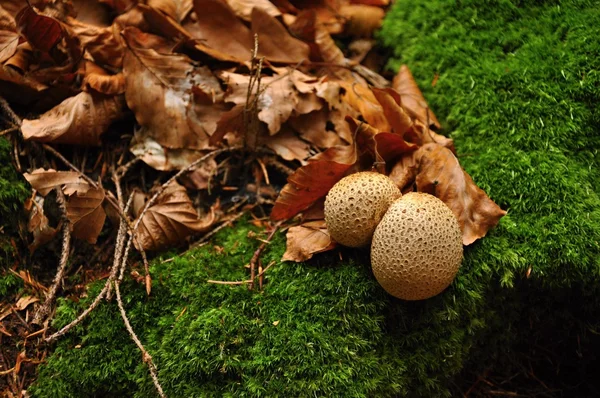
44	310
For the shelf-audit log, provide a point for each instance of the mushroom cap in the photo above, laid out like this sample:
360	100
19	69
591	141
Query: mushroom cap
355	205
417	247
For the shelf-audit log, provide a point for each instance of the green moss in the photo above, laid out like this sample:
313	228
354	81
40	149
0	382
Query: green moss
12	194
518	83
12	189
518	87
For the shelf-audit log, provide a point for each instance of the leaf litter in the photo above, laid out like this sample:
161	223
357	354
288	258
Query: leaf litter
172	118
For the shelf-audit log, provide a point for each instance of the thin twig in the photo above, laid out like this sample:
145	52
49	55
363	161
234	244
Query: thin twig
120	242
44	310
16	120
147	358
257	253
260	274
9	130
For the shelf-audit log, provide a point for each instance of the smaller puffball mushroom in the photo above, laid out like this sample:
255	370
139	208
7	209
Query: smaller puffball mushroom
354	206
417	247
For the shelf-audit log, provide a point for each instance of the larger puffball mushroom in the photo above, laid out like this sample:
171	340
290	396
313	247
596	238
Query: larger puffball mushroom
417	247
355	204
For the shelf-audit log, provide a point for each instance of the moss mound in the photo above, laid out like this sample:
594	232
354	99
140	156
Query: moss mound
12	194
518	87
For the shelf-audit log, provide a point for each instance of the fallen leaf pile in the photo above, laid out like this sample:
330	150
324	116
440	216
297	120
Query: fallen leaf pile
207	74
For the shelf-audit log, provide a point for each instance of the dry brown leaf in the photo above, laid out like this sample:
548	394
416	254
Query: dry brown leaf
98	79
7	21
274	41
167	7
412	98
399	120
41	32
439	173
39	226
218	27
9	41
84	210
305	240
312	181
361	20
172	219
362	99
99	41
313	127
91	12
277	100
244	8
160	89
78	120
288	145
45	181
200	177
331	54
159	157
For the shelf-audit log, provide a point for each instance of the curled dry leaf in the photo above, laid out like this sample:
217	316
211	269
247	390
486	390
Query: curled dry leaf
396	116
434	169
38	225
305	240
412	98
312	181
159	157
171	220
99	41
41	32
86	214
99	80
78	120
45	181
9	41
173	100
440	174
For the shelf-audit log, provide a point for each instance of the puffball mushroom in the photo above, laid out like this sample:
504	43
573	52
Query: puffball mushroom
355	205
417	247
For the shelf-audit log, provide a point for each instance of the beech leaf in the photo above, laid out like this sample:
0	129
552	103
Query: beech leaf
412	98
159	89
87	216
40	31
172	219
276	103
45	181
39	225
274	41
312	181
440	174
305	240
219	28
9	41
78	120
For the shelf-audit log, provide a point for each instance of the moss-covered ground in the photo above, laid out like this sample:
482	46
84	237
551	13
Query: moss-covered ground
13	192
518	88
